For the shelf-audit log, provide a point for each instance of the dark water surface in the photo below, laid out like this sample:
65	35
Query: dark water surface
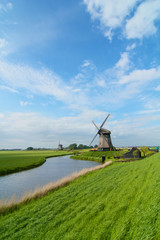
51	171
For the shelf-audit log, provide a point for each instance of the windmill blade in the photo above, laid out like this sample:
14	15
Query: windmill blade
93	139
104	121
96	125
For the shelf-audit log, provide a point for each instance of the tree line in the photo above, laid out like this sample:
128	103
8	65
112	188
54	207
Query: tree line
74	146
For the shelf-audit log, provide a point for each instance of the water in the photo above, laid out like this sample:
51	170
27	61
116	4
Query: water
51	171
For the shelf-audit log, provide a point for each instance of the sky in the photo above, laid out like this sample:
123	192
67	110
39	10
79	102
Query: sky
66	63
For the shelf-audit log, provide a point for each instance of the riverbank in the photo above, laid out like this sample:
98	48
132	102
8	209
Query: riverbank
109	155
117	202
16	161
97	155
13	203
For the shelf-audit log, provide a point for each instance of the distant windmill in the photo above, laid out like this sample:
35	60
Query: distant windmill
105	143
60	146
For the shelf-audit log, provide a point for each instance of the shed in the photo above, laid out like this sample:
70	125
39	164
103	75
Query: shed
130	154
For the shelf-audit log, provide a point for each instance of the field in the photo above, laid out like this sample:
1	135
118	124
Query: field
121	201
15	161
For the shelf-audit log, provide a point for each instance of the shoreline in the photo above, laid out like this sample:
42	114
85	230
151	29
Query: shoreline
9	205
20	169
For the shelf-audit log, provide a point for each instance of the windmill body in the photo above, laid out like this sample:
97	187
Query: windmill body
105	143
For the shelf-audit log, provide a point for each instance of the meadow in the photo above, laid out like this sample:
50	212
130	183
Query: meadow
121	201
15	161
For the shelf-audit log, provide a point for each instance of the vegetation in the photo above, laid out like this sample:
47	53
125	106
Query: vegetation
97	155
15	161
117	202
145	151
74	146
10	205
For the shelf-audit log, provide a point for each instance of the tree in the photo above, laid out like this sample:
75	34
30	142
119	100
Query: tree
135	153
80	146
29	148
144	149
72	146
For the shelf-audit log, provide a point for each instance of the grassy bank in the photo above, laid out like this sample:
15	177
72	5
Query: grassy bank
97	156
15	161
109	155
118	202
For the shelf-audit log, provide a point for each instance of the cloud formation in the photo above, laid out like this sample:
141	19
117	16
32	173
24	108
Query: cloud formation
136	18
142	24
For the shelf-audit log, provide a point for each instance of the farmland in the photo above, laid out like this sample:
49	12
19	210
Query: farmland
15	161
120	201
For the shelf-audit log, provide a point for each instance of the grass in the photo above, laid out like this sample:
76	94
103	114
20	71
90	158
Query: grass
97	155
13	203
121	201
15	161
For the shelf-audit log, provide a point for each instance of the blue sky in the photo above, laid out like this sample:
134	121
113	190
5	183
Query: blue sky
65	63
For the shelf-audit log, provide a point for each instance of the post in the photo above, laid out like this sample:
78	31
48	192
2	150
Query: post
103	158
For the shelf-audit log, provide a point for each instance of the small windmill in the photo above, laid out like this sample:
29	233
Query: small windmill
60	146
105	143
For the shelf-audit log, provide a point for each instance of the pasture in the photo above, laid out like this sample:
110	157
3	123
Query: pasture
121	201
15	161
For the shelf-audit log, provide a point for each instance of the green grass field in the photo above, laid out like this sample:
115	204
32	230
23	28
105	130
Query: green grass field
121	201
14	161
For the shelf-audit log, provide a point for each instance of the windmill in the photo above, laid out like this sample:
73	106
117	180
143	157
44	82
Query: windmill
60	146
105	143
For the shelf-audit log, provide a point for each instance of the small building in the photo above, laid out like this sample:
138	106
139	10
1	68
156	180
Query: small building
131	154
156	149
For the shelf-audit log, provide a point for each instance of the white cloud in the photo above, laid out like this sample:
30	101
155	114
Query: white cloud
86	63
3	43
124	63
9	5
6	7
130	47
43	82
113	14
157	88
110	13
3	46
8	89
24	103
141	76
143	22
37	81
